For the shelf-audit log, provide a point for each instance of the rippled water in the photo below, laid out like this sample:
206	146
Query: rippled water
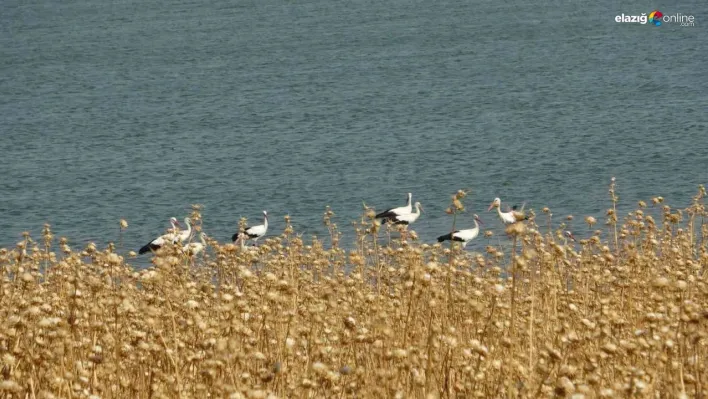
136	109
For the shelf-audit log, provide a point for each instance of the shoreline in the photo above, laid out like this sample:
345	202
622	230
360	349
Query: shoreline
622	312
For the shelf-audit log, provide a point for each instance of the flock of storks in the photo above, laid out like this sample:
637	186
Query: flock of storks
404	215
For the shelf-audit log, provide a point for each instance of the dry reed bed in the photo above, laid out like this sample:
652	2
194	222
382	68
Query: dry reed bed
622	313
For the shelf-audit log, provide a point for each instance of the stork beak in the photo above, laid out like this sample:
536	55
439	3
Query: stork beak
422	209
177	223
490	207
480	221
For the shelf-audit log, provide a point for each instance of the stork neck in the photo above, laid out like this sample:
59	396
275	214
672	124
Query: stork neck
265	221
189	226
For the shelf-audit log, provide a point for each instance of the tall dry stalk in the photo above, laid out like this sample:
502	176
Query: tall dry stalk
298	318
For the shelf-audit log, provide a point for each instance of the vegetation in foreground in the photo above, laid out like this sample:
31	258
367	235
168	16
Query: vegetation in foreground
622	313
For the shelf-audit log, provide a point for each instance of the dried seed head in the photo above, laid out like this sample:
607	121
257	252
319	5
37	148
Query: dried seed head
661	282
319	367
516	229
350	323
10	386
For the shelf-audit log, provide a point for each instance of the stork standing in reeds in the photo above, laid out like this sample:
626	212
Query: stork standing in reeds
253	232
409	218
463	236
511	216
172	237
394	212
194	248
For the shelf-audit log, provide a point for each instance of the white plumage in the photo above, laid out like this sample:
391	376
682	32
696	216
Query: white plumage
174	236
194	248
184	235
254	232
463	236
568	234
408	218
393	212
509	217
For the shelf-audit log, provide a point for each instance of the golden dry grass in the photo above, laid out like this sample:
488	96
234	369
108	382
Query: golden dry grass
622	313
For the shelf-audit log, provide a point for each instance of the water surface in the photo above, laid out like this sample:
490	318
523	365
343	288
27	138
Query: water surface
136	109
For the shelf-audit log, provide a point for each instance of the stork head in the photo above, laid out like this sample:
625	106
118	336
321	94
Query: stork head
174	221
569	235
476	217
265	214
494	204
419	206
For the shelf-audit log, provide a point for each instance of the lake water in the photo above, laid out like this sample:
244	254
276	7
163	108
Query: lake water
136	109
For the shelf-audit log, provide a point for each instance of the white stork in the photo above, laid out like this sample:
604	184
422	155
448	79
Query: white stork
393	212
194	248
184	235
568	234
172	236
511	216
253	232
409	218
463	236
174	223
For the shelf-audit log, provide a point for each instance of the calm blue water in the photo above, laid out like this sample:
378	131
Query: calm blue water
136	109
